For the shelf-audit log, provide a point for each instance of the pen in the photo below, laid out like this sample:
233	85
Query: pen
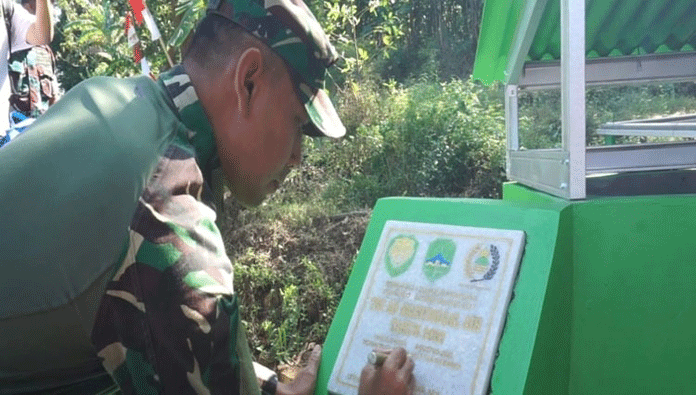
377	358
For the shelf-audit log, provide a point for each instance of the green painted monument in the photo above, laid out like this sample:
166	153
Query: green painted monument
601	264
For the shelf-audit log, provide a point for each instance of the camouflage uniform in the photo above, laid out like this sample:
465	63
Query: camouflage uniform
126	265
32	80
169	319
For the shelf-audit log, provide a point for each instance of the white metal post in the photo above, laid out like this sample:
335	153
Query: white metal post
573	93
511	124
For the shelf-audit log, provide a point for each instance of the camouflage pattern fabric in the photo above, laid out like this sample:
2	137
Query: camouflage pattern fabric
32	80
169	320
291	30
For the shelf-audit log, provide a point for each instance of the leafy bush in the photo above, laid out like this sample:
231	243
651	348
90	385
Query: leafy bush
91	40
540	111
284	308
428	139
290	269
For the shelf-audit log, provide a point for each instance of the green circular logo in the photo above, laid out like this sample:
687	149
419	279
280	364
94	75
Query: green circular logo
439	259
400	254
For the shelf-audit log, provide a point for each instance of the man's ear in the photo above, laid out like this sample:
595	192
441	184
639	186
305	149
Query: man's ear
247	77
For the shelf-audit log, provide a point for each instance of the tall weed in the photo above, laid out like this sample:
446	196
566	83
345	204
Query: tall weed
432	139
285	305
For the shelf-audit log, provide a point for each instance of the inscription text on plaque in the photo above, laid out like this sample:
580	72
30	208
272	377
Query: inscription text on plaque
441	292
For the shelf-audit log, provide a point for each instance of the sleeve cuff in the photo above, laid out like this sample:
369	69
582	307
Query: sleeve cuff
268	380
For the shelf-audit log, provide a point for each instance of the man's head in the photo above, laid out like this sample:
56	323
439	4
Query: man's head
259	71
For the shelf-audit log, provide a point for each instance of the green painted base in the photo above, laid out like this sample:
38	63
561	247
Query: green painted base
541	225
631	297
605	301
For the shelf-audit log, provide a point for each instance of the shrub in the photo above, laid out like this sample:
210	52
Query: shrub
285	304
540	111
430	140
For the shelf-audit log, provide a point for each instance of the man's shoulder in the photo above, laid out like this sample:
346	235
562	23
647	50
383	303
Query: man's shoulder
121	105
105	121
114	91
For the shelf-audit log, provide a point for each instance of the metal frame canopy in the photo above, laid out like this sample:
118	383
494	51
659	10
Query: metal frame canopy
540	44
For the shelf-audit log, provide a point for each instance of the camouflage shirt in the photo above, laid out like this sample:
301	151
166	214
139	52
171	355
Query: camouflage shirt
168	320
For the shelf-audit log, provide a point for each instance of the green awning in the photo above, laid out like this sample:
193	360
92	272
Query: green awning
613	28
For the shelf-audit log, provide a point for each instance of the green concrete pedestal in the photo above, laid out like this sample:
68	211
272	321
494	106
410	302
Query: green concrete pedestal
632	296
542	225
605	300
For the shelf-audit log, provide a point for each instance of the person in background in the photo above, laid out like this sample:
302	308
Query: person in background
20	27
33	81
115	264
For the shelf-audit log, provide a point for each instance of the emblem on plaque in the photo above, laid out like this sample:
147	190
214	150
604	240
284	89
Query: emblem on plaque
439	259
482	262
400	254
452	326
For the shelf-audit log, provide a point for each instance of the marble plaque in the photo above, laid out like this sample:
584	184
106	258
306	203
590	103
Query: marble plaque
441	292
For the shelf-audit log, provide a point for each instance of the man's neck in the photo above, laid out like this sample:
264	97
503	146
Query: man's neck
200	134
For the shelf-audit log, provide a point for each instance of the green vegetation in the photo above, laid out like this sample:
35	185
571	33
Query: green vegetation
540	124
417	126
426	139
423	139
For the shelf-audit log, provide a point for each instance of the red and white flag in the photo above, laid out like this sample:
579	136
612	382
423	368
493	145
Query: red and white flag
130	31
137	53
138	6
151	25
141	12
134	43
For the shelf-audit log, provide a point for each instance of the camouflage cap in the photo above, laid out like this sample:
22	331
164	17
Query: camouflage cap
292	31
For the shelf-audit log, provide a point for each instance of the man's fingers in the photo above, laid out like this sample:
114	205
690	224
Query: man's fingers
394	376
396	359
306	378
406	372
314	359
368	371
409	365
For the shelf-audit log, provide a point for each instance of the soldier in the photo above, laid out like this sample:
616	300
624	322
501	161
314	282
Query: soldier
111	258
32	72
19	28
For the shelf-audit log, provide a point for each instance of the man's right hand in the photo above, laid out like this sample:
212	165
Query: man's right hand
394	377
306	379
